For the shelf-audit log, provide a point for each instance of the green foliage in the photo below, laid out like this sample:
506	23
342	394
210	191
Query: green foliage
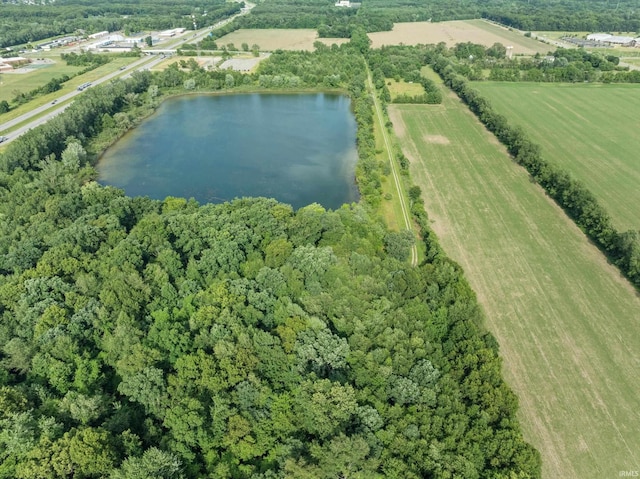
144	339
84	59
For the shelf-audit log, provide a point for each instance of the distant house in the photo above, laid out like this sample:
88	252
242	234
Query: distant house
343	3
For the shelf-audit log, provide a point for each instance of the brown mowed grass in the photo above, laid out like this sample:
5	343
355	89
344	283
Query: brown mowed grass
458	31
278	39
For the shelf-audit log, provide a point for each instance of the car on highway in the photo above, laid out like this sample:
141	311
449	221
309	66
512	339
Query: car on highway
3	138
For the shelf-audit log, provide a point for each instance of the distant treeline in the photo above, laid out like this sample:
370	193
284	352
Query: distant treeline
379	15
561	65
27	23
579	203
23	23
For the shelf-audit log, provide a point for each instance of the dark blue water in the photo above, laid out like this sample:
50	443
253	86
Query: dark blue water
299	149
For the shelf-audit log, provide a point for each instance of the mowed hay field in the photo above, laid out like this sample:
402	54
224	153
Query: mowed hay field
278	39
567	323
590	130
458	31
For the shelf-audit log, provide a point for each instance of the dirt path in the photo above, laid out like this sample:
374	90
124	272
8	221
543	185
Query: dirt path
405	210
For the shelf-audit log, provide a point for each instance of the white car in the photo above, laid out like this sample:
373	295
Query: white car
3	138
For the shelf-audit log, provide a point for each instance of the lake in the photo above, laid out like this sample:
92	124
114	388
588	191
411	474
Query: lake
296	148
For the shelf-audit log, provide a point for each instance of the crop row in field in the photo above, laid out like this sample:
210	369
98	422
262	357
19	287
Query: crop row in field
565	320
589	130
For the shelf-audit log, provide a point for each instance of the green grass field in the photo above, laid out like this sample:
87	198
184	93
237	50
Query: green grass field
403	88
591	130
566	322
25	82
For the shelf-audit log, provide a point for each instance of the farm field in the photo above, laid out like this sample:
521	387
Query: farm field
274	39
458	31
566	322
591	130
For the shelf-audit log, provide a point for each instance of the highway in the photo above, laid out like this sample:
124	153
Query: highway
55	110
145	63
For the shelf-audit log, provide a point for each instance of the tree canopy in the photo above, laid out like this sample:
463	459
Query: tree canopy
167	339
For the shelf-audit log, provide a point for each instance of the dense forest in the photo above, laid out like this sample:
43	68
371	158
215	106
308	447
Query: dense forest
167	339
24	23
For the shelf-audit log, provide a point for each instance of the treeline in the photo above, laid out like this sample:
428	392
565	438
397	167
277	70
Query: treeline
21	98
579	203
84	58
164	339
562	65
83	119
317	14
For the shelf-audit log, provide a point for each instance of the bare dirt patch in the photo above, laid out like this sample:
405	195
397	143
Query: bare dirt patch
437	139
244	64
398	123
